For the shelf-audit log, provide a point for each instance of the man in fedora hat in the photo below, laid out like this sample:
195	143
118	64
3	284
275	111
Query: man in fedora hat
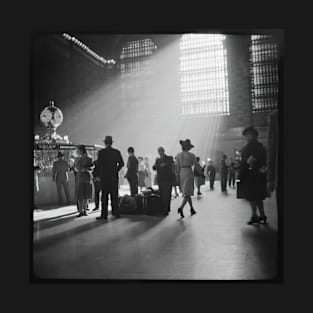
60	171
223	173
109	164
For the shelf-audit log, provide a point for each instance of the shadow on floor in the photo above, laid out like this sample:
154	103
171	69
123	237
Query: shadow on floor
169	235
264	240
144	225
54	239
58	220
138	245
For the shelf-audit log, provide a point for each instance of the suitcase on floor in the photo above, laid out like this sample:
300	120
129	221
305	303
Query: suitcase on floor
150	191
128	205
139	200
152	205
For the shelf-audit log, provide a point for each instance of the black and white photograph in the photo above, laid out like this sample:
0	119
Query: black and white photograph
157	156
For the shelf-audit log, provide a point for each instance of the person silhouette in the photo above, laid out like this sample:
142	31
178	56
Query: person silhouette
252	174
185	162
132	172
164	165
110	162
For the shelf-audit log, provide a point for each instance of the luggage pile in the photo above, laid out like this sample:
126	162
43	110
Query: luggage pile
148	203
131	205
152	204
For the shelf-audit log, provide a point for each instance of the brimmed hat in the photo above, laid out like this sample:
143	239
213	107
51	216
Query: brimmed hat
186	144
108	140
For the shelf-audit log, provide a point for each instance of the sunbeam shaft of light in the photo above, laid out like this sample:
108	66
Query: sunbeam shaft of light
156	121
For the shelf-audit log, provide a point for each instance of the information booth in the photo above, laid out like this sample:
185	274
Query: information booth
45	154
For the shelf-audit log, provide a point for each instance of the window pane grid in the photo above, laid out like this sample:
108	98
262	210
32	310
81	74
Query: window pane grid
204	80
264	73
137	69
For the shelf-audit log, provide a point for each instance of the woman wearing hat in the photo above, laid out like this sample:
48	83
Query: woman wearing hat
185	161
252	175
84	186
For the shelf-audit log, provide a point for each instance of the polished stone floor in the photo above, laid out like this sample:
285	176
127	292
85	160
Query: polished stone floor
214	244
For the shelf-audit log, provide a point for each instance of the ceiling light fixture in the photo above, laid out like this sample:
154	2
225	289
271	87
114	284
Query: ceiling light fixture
87	49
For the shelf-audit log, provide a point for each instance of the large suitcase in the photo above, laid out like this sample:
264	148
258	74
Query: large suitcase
139	201
150	191
131	205
152	205
128	205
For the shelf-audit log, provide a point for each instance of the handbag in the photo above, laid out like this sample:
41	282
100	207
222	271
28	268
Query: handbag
201	180
241	190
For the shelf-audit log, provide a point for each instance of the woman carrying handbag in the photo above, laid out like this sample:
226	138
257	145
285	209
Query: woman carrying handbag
252	176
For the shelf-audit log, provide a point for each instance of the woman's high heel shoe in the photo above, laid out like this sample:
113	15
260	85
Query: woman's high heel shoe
264	219
180	211
254	220
192	212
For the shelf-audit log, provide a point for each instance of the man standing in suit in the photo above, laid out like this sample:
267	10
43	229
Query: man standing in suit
60	171
272	154
132	172
164	165
110	162
223	173
211	172
231	174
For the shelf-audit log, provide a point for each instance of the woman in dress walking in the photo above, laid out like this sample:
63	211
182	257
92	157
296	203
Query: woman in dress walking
185	161
83	167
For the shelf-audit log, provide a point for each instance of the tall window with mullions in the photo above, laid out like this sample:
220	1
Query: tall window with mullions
203	74
264	73
137	71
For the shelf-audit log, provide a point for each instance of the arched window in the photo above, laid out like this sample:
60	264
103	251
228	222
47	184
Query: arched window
264	73
203	72
137	70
